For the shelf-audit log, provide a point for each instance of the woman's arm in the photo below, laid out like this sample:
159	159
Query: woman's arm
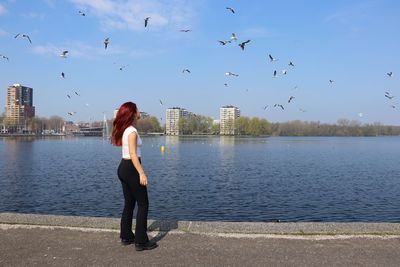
132	143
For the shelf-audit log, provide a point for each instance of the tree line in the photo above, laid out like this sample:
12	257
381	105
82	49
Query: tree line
246	126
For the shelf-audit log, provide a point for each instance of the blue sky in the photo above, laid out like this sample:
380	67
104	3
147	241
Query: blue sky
354	43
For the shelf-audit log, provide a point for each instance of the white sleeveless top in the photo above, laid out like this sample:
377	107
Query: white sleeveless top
125	145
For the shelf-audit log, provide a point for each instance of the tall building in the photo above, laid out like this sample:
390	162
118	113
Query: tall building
19	106
172	120
228	115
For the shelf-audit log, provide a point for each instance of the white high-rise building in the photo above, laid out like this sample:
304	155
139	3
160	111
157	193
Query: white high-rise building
228	115
173	115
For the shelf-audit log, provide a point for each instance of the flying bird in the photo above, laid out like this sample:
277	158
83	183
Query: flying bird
185	70
387	95
271	58
231	74
106	42
71	113
123	67
279	105
226	85
69	96
64	54
393	106
161	103
4	57
187	30
274	75
24	36
290	99
243	44
234	37
284	72
146	21
76	93
231	9
82	13
291	64
223	42
389	74
331	81
63	75
301	110
265	107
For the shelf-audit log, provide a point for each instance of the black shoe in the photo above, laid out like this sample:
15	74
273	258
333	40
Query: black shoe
127	242
147	246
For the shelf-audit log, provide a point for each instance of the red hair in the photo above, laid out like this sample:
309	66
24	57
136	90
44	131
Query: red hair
124	119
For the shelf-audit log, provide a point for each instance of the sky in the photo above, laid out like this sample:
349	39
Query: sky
354	43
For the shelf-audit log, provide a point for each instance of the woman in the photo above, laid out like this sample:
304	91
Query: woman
132	177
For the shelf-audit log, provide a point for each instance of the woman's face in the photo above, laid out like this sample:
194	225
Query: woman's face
137	115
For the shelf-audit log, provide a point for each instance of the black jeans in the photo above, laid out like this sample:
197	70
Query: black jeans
133	192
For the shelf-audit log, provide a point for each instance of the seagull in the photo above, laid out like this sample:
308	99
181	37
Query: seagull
274	75
231	74
388	95
331	81
63	75
76	93
265	107
106	42
123	67
185	70
279	105
4	57
25	36
146	21
284	72
243	44
389	74
291	98
185	30
69	96
161	103
71	113
233	37
271	58
231	9
291	64
82	13
64	54
224	42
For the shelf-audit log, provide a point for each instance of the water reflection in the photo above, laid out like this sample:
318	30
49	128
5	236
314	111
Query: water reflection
209	178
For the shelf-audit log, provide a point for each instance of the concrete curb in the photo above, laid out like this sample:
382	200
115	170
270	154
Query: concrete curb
208	227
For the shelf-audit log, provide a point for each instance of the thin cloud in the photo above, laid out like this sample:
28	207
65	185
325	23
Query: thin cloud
129	14
3	9
3	33
86	51
257	32
34	15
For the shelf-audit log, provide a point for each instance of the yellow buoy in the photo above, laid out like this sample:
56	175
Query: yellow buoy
162	149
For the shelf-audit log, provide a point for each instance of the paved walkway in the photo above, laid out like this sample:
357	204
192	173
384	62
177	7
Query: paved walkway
27	240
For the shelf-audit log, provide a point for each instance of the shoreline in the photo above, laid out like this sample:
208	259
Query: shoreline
205	227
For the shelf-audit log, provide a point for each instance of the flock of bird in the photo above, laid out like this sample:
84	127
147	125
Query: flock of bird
233	39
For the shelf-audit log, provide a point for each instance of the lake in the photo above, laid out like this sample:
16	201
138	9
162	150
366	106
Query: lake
292	179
